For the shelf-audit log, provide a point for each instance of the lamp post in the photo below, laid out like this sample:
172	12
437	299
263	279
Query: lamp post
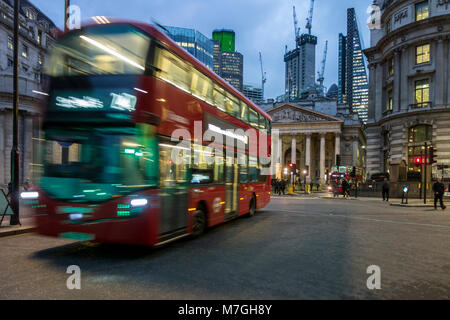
15	153
66	15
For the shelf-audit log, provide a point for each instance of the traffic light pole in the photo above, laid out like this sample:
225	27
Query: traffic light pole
425	164
15	153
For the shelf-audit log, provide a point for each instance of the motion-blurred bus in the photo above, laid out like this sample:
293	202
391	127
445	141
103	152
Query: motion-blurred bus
118	92
345	172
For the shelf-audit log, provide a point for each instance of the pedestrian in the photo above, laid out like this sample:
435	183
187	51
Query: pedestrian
283	186
277	186
385	189
311	185
345	187
439	189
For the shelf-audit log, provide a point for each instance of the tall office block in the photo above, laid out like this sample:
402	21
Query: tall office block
353	83
195	43
232	68
227	39
228	63
300	67
254	93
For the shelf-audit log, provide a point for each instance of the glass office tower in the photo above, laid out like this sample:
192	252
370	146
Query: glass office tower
353	85
195	43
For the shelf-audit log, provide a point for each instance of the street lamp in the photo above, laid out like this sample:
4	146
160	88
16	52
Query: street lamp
15	152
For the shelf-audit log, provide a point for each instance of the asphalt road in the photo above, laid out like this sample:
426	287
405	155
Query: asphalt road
296	248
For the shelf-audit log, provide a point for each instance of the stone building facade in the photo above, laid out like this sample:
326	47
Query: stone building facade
310	133
409	100
37	33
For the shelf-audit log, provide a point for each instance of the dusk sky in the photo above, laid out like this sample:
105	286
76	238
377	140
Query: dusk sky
260	25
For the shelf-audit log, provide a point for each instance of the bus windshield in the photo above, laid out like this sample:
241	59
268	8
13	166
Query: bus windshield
100	50
92	165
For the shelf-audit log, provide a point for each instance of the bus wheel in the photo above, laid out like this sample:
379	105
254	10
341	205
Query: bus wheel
199	223
252	211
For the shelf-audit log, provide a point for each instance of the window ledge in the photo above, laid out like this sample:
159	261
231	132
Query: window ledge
420	106
387	112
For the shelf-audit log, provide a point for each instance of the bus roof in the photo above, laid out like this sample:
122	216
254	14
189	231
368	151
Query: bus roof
154	32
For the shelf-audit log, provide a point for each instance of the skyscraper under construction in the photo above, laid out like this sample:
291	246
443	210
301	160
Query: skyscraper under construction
300	67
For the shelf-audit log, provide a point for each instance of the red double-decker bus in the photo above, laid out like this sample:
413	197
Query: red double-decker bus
118	92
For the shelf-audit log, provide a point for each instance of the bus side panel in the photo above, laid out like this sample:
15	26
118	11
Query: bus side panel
214	198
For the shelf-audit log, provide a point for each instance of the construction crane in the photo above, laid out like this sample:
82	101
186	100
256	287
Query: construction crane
310	17
263	75
322	70
296	27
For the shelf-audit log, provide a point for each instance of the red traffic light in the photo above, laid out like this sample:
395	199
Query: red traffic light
418	160
291	165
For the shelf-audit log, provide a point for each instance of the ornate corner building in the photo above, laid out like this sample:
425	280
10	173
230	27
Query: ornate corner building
409	88
36	35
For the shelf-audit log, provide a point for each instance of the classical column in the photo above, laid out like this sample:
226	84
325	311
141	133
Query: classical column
396	97
280	157
440	73
404	66
280	150
294	150
337	148
322	157
355	151
308	156
378	97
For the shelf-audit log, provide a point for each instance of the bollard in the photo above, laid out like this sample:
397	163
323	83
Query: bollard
405	194
291	190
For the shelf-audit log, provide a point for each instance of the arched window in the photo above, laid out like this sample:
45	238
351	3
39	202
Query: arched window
417	136
420	133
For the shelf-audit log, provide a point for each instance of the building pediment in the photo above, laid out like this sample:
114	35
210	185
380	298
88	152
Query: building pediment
288	113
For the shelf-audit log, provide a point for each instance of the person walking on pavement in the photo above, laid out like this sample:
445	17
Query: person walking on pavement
283	186
439	189
385	189
345	187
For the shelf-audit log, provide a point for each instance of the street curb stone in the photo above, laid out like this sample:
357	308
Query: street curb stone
14	232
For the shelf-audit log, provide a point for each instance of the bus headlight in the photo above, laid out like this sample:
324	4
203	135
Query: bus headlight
139	202
29	195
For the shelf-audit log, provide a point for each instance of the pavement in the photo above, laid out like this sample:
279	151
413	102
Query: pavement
26	224
417	203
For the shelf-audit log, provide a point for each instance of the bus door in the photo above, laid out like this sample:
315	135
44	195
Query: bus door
174	190
232	185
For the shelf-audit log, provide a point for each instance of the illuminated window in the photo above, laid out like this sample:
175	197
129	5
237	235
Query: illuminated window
423	54
422	93
422	11
10	43
391	67
389	101
388	26
25	51
420	133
